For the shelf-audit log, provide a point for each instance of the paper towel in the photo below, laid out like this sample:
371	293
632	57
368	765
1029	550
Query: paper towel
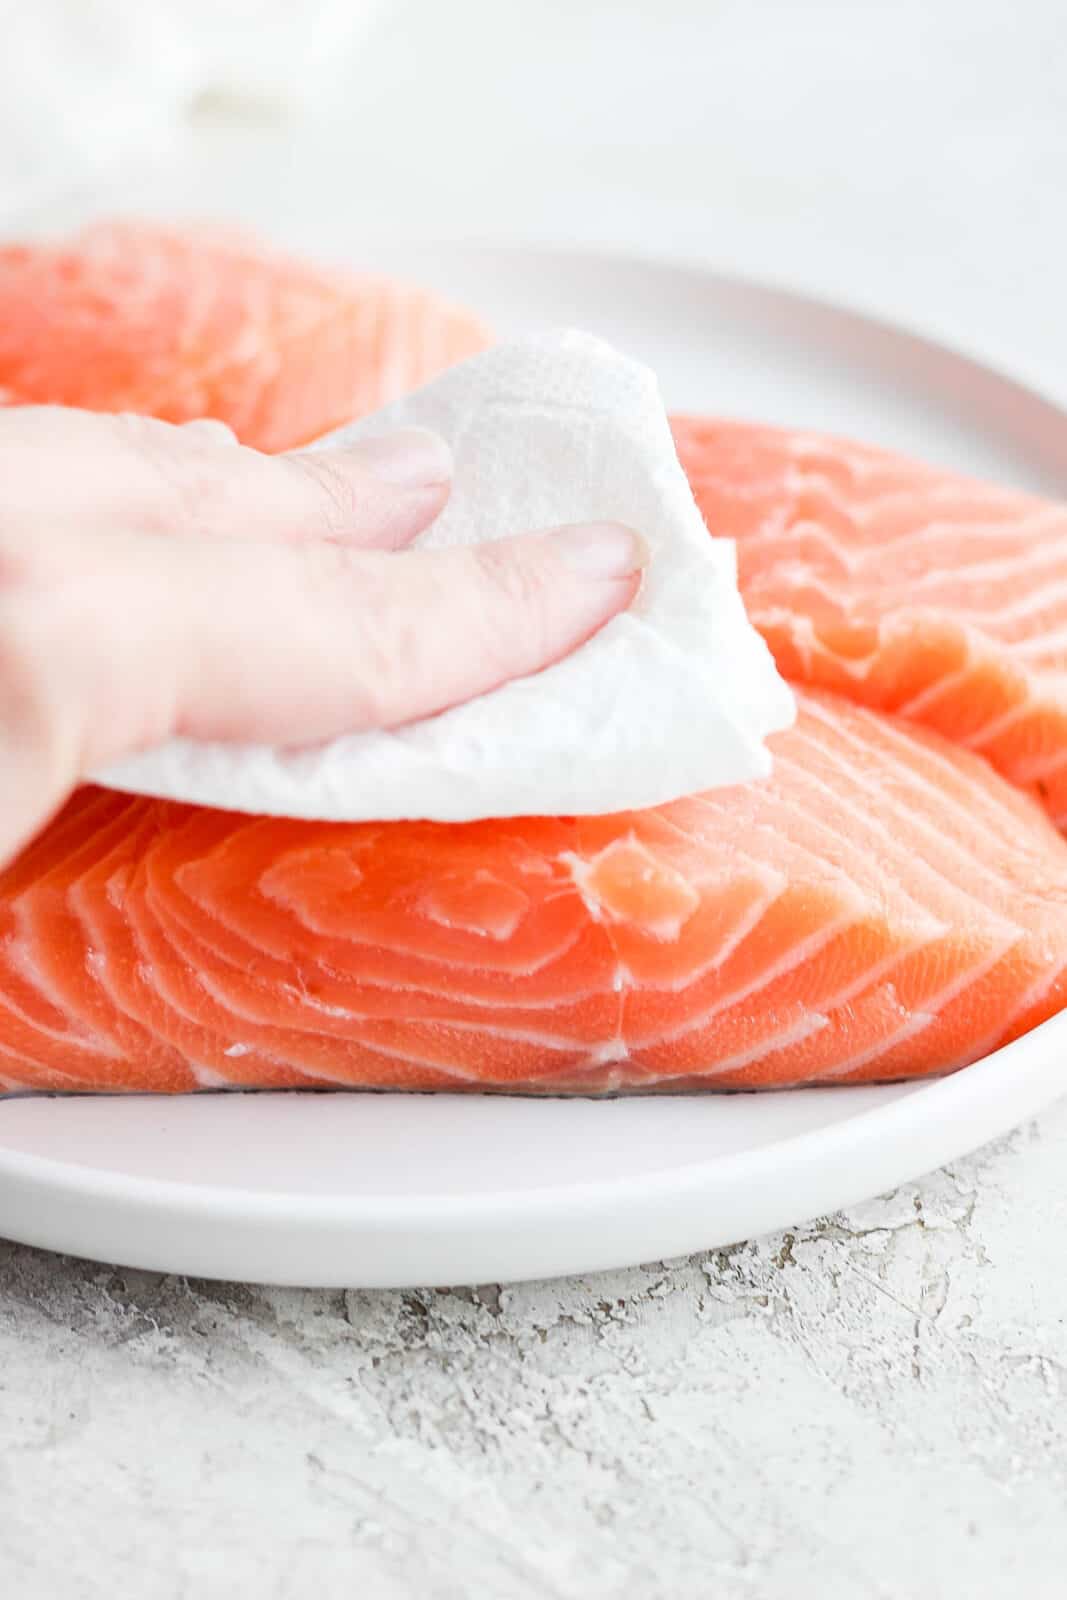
674	696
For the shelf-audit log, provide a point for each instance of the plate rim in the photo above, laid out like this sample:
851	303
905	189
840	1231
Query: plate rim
782	291
967	1084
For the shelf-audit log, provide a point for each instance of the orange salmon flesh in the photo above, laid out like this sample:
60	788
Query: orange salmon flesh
884	906
891	903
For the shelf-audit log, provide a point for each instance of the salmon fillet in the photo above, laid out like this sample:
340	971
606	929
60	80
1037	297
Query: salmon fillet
903	587
885	906
180	324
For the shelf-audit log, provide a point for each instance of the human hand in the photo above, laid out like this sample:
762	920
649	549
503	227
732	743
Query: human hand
159	580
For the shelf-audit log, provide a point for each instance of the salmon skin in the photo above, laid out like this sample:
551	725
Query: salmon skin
903	587
883	907
187	323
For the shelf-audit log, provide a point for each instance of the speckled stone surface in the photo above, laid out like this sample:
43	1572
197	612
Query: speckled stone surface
870	1405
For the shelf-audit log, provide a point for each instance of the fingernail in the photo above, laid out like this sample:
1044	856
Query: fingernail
602	549
411	458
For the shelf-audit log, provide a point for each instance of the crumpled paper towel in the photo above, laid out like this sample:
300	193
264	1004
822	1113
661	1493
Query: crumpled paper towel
674	696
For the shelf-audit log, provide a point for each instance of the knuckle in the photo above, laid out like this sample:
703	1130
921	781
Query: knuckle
517	613
515	579
385	664
373	635
190	477
337	490
159	444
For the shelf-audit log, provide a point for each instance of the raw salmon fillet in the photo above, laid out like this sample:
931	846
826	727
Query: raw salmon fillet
883	906
181	324
900	586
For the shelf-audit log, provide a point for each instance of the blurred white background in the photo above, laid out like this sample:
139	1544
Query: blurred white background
902	156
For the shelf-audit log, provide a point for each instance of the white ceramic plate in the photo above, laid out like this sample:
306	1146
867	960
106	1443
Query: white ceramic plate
379	1190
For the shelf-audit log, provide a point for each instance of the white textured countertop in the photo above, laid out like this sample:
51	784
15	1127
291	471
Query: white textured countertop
867	1406
874	1404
